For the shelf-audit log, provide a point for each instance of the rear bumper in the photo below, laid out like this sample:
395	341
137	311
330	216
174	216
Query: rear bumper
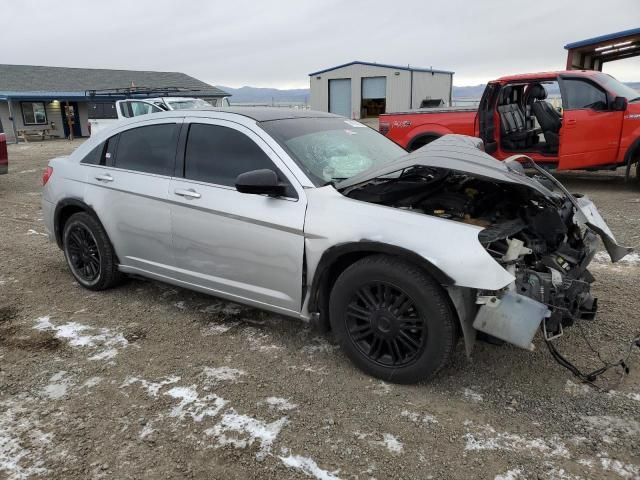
48	211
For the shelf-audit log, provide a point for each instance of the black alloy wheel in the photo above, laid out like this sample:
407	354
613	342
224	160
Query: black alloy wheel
84	256
385	324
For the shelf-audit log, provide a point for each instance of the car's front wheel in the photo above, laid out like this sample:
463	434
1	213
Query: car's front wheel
392	319
89	253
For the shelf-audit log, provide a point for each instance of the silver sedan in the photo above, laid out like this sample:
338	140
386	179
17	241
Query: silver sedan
319	217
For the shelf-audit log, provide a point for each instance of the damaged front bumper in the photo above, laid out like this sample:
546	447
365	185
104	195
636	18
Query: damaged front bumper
549	299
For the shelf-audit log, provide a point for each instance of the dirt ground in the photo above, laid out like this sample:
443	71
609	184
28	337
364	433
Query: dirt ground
152	381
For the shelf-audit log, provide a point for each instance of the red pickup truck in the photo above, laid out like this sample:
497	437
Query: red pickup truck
595	124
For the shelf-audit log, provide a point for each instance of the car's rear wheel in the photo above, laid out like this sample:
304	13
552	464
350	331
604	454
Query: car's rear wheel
89	253
392	319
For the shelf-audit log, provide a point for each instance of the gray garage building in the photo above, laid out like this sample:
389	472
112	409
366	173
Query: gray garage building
363	89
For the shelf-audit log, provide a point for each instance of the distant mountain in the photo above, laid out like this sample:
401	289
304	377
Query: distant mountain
301	95
267	95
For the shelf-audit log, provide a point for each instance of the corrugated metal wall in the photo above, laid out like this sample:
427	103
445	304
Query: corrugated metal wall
436	85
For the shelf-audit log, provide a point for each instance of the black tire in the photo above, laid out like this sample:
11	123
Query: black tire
421	142
395	329
89	253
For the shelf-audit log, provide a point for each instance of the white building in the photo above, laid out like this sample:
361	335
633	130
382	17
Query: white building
363	89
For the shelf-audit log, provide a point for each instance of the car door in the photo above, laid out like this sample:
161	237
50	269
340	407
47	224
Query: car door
240	246
590	132
128	179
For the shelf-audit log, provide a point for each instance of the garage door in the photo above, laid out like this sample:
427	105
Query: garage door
340	97
374	87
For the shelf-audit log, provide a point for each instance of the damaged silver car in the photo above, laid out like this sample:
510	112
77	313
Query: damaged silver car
318	217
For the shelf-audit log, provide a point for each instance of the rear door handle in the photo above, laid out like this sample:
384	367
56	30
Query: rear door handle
104	178
191	193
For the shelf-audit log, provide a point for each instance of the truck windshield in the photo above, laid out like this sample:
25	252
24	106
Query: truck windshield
188	104
332	149
618	88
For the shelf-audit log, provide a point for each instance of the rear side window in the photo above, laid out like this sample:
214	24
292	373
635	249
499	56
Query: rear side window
150	149
218	155
95	156
579	94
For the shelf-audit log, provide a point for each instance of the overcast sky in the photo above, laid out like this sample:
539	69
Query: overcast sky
277	43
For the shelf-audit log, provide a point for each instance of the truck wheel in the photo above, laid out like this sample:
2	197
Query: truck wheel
420	142
392	319
89	253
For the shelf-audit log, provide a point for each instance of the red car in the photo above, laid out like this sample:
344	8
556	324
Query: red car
595	123
4	156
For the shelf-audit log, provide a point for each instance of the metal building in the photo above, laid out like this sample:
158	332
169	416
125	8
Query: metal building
363	89
592	53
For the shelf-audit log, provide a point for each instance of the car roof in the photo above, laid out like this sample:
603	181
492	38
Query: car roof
545	75
265	114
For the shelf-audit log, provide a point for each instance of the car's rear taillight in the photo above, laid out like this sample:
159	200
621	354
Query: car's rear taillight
46	175
383	128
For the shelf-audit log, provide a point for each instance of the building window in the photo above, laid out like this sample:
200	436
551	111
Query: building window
34	113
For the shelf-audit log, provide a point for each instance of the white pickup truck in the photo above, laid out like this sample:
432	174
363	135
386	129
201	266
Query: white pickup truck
103	114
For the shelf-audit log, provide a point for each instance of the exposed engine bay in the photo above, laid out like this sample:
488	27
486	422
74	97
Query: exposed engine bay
539	236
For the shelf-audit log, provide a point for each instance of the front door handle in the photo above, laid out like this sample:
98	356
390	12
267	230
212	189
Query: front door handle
104	178
188	194
572	121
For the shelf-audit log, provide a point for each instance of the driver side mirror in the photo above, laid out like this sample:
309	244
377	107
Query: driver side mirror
260	182
619	104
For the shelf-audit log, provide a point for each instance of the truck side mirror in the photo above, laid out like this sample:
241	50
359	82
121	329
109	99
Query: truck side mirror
619	104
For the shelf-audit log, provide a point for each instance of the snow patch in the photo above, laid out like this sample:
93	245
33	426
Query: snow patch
631	259
146	431
486	438
31	231
83	336
152	388
91	382
222	374
309	467
610	428
278	403
418	417
57	387
472	395
241	431
514	474
16	423
624	470
577	388
320	345
192	405
218	328
392	443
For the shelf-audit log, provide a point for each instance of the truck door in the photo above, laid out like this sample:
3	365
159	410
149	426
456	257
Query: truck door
485	119
590	132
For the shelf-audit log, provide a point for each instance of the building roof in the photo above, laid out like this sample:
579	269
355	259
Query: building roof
383	65
31	79
605	48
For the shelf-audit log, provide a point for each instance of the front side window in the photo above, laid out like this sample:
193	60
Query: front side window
332	149
34	113
217	155
149	149
579	94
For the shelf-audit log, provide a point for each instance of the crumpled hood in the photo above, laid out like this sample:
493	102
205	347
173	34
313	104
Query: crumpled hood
466	154
455	152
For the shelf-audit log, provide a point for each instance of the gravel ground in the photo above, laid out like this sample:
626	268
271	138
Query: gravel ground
152	381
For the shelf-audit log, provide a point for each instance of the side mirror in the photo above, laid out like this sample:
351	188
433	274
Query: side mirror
619	104
260	182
